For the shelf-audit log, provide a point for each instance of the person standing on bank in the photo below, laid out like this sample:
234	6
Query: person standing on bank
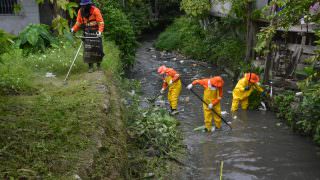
90	20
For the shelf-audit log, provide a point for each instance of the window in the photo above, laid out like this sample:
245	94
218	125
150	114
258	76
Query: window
7	6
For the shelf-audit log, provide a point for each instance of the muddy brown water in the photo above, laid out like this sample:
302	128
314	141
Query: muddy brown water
256	148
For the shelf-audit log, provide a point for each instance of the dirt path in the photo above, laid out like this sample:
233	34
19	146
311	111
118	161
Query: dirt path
256	148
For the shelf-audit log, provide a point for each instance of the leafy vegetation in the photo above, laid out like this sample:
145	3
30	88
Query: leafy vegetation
47	131
197	9
214	45
153	138
302	115
34	38
120	30
6	40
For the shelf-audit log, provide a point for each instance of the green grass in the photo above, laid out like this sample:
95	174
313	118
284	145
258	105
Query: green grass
19	71
50	130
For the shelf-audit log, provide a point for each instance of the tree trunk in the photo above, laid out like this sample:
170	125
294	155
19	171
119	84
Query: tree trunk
250	33
156	9
267	68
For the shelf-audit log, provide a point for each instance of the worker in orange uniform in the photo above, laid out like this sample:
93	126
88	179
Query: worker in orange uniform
212	96
172	81
243	89
90	20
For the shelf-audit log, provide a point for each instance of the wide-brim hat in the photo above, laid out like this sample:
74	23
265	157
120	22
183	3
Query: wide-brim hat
85	2
252	77
162	69
217	81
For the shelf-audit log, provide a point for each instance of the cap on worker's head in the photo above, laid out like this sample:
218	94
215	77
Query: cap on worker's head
85	2
217	81
162	69
252	77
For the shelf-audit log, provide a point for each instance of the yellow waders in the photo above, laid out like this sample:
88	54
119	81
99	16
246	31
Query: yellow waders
208	96
240	95
173	92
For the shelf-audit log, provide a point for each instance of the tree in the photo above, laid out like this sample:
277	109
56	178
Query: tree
199	9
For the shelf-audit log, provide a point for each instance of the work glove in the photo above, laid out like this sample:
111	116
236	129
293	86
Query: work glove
210	106
162	91
189	86
247	88
170	82
99	34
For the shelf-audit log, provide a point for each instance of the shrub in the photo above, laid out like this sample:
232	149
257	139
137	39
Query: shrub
283	104
34	38
216	45
119	29
5	41
15	75
184	35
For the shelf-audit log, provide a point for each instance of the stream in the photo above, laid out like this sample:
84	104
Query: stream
258	147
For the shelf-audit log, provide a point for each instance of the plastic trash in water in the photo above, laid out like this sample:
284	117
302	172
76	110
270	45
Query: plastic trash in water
181	62
263	108
200	128
224	113
50	75
229	92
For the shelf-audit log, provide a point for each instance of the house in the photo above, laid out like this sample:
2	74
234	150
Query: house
293	45
15	15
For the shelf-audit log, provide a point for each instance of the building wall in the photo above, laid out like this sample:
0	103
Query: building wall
15	23
222	9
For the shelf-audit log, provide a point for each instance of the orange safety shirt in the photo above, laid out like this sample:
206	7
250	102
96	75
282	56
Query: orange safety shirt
204	83
95	20
173	74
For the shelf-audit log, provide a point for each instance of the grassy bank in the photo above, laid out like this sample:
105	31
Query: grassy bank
91	127
55	131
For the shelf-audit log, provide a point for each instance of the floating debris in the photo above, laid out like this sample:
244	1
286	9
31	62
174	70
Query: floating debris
224	113
230	92
200	128
263	108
